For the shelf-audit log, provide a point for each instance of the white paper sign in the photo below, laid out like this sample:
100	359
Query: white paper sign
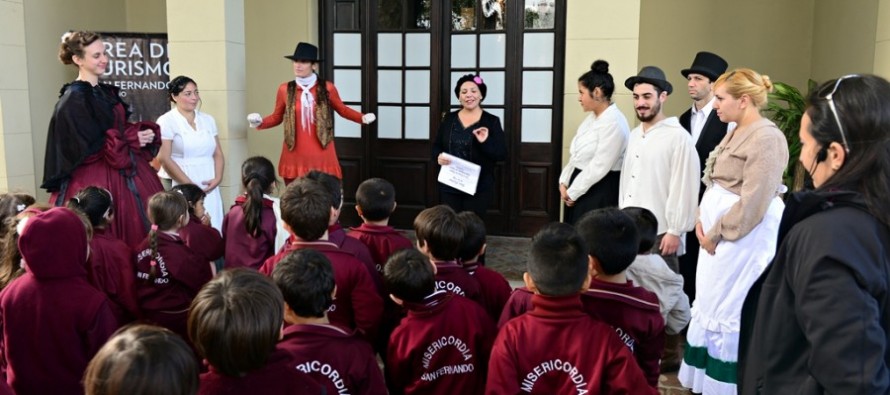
461	174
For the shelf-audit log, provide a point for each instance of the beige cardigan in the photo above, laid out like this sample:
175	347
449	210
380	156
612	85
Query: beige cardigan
749	162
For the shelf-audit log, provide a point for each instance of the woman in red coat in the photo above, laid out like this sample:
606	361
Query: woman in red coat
306	107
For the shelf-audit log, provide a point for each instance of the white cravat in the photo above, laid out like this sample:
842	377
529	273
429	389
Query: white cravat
307	101
698	119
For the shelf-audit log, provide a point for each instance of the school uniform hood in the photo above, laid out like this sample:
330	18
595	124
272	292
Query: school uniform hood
54	245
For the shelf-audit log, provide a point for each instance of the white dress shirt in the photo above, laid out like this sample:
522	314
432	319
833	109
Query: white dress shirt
698	118
661	173
597	149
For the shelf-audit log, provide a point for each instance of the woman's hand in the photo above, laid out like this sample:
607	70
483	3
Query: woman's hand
442	160
564	195
481	134
210	184
709	246
145	137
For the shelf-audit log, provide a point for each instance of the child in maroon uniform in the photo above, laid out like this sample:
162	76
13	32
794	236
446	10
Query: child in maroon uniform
235	323
305	209
337	358
111	263
53	319
556	348
494	287
143	359
442	346
250	227
336	234
198	234
439	237
168	273
375	200
632	311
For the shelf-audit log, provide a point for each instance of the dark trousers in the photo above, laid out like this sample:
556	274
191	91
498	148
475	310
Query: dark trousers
460	201
671	259
689	264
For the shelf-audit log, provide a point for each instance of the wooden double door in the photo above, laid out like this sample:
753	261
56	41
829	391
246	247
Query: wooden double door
400	60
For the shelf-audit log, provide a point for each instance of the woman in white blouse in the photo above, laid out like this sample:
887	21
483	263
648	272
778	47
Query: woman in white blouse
590	179
190	152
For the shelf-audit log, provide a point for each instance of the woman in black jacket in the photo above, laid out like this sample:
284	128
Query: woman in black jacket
818	320
474	135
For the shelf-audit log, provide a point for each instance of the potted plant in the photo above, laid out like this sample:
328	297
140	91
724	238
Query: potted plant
785	107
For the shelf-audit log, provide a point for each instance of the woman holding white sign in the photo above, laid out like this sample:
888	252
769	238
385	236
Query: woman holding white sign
474	135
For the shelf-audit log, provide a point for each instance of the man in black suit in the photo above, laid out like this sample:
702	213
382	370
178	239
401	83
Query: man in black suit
707	131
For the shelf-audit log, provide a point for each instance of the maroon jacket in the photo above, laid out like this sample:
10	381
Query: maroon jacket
111	267
357	305
278	377
202	239
558	349
53	320
632	311
337	235
339	360
242	249
181	273
451	277
382	241
495	289
441	347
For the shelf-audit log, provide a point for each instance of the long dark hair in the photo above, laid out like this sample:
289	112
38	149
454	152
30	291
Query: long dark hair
93	202
257	177
862	110
192	194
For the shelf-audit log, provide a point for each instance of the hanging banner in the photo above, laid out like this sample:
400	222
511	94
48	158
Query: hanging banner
138	64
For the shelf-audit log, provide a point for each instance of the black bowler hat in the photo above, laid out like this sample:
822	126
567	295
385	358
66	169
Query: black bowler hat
707	64
650	75
305	51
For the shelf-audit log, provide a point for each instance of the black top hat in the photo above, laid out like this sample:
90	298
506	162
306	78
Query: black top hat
305	51
650	75
707	64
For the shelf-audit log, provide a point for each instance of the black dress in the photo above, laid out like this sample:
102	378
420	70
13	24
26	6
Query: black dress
455	139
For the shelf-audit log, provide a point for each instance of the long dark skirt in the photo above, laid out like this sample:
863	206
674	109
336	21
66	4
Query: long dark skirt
602	194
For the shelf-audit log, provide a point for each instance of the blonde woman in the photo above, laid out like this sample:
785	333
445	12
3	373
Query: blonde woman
737	226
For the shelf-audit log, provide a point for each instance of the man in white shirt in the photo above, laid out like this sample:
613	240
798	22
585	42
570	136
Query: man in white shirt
661	170
707	131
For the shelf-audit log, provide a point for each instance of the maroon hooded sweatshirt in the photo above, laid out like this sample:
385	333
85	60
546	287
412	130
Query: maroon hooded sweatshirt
53	319
494	287
202	239
111	268
242	249
382	242
278	377
337	235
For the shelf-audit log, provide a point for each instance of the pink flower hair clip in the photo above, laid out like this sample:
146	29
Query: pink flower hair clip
478	80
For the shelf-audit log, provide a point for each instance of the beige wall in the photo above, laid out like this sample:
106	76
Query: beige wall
841	37
146	16
882	40
615	40
272	30
771	37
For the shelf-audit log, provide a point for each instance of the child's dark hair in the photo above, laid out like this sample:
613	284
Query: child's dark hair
306	278
408	275
557	261
611	237
94	203
192	194
257	177
306	208
376	197
331	183
474	235
235	321
441	230
11	204
647	227
164	211
143	360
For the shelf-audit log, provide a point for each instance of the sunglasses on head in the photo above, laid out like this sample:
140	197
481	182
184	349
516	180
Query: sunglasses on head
837	119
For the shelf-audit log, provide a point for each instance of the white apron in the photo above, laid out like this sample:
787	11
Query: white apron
722	283
195	158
